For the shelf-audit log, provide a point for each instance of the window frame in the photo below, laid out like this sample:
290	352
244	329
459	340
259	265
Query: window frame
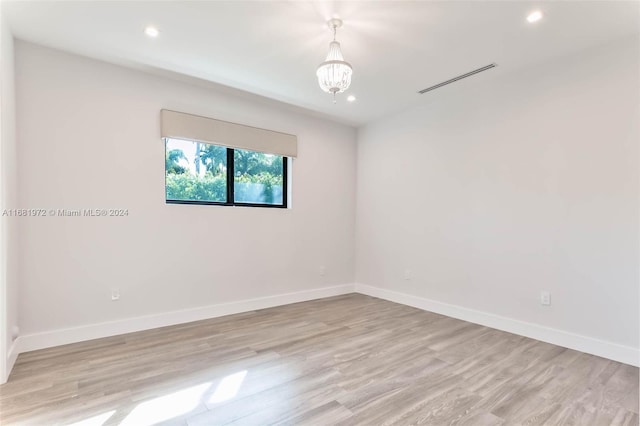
231	184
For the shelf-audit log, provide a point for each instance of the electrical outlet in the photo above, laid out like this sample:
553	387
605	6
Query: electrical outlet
322	271
407	274
545	298
115	294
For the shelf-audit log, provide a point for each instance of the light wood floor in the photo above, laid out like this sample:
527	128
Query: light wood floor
350	360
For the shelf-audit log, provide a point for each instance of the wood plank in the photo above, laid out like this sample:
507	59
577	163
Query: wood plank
345	360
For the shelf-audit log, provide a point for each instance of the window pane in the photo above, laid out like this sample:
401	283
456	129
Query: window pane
195	171
258	177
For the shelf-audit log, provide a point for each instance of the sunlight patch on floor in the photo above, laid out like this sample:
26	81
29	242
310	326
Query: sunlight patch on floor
175	404
98	420
228	387
166	407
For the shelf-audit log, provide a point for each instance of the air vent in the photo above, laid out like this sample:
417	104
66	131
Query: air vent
460	77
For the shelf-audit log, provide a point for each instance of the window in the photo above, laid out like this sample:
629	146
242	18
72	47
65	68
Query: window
202	173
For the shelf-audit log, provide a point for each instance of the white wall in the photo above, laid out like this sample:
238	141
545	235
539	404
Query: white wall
8	240
89	138
494	189
499	187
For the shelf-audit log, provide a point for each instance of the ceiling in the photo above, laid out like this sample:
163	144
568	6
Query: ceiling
273	48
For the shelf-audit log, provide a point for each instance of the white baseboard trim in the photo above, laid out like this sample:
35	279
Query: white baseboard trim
625	354
12	355
31	342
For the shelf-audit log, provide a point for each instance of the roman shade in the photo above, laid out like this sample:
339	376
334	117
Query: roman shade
180	125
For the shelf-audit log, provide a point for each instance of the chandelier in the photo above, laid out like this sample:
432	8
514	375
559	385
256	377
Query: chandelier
334	74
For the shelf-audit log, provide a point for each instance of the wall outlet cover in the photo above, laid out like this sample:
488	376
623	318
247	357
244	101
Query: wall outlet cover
545	298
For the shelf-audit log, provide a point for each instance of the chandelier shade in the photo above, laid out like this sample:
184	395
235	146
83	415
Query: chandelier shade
334	74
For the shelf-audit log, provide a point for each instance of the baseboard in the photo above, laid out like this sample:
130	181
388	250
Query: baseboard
12	355
31	342
613	351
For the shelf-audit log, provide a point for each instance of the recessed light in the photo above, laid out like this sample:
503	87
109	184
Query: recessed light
151	32
534	16
351	98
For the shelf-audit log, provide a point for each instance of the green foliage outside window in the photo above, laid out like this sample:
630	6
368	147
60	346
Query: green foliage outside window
185	186
202	175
